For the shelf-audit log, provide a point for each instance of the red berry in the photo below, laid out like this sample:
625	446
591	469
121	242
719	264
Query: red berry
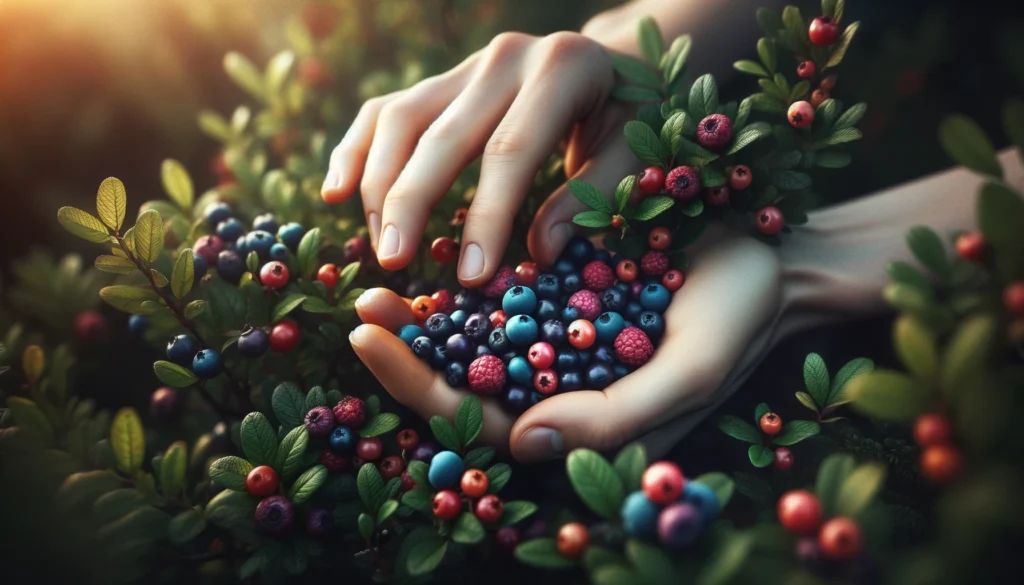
783	459
392	466
716	196
408	482
527	273
598	276
284	336
771	423
503	280
541	355
828	84
799	512
769	221
313	72
618	221
261	481
274	275
444	301
355	248
444	250
806	69
581	334
682	182
800	114
941	463
588	302
369	449
350	411
408	439
573	540
507	539
423	307
673	280
1013	298
447	505
320	19
498	318
207	248
654	263
332	461
633	347
474	483
840	539
818	97
714	132
740	177
823	31
663	482
487	374
626	270
932	429
458	217
328	274
659	238
90	326
651	180
971	246
545	381
220	168
489	509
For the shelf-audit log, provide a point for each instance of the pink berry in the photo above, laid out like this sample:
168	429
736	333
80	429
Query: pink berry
207	248
541	355
714	132
783	459
498	318
682	183
673	280
350	411
654	263
369	449
598	276
503	280
716	196
663	482
806	69
633	347
800	114
588	302
769	220
486	374
545	381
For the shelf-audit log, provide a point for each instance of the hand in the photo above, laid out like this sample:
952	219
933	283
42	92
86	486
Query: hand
514	101
720	324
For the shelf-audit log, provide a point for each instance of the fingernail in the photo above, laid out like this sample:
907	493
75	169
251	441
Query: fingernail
374	228
388	242
472	262
331	181
559	236
541	443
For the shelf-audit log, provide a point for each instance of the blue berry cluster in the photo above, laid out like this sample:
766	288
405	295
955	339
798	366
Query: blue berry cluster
228	247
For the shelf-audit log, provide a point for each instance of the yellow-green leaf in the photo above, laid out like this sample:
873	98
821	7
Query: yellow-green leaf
149	236
172	469
968	352
127	440
915	344
112	202
115	264
32	362
184	274
30	418
244	73
859	488
83	224
128	298
889	395
177	183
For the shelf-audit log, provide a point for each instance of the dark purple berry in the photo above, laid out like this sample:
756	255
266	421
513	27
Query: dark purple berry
320	421
546	311
570	314
549	286
571	283
515	399
483	349
423	347
439	360
456	374
599	376
468	300
499	341
652	324
275	516
230	266
166	404
424	452
563	267
478	327
319	523
554	332
579	251
507	539
569	381
603	355
613	300
253	343
459	347
439	326
489	306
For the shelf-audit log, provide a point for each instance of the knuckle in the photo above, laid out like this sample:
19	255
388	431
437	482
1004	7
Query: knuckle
398	109
443	130
504	144
373	106
566	46
505	46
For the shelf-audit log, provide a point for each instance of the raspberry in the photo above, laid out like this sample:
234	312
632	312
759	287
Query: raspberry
682	182
588	302
714	132
633	347
597	276
503	280
351	411
654	263
486	374
332	461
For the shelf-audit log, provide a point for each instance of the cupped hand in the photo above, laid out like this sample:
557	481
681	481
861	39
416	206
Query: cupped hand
720	324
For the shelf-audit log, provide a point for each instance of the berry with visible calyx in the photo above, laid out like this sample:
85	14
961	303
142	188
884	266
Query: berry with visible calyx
714	132
1013	298
769	221
941	463
350	411
717	196
679	525
651	180
498	318
608	326
369	449
260	242
673	280
407	439
332	461
503	280
423	307
328	274
474	483
284	336
613	299
486	375
478	327
459	217
588	302
343	439
633	347
770	423
554	332
740	177
498	341
573	540
932	429
618	221
519	300
654	297
489	509
391	467
806	69
138	324
626	270
818	97
652	324
800	114
207	363
319	523
659	238
230	266
423	347
507	539
598	276
216	213
230	229
782	459
654	263
527	274
275	516
261	481
253	342
541	355
582	334
799	512
971	246
663	482
181	349
290	235
522	330
439	327
446	469
166	404
823	31
408	482
319	421
682	183
545	381
640	516
840	539
446	505
444	250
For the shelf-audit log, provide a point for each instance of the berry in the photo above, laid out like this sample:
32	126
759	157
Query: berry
459	318
682	182
498	318
468	300
423	307
673	280
456	374
439	327
275	274
770	423
391	467
423	347
527	274
663	482
241	245
541	355
447	505
474	483
261	481
284	336
333	462
655	297
166	404
932	429
614	299
598	276
571	314
355	249
444	250
265	222
716	196
519	300
515	399
519	370
319	523
507	539
408	482
253	343
769	221
571	283
652	324
181	349
216	213
275	515
600	376
618	221
679	525
343	439
840	539
407	439
783	459
548	286
207	363
327	274
230	229
1013	298
369	449
971	246
137	324
446	470
829	83
545	381
626	270
350	411
444	301
486	375
260	242
714	132
588	302
424	452
503	280
810	556
659	238
941	463
319	421
823	31
279	252
651	180
489	509
521	330
806	69
578	251
199	267
582	334
740	177
633	311
313	72
498	341
799	512
478	327
572	540
640	516
409	333
459	347
608	326
230	266
633	347
290	235
818	97
800	114
654	263
570	381
703	498
553	332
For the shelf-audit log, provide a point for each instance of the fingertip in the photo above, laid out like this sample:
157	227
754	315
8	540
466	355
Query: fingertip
334	195
472	270
383	307
559	424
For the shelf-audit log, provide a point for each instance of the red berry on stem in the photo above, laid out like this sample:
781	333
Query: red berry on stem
783	459
444	250
673	280
799	512
447	505
971	246
716	196
392	466
800	114
408	439
823	31
617	221
941	463
285	336
261	481
740	177
1013	298
659	238
572	540
626	270
663	482
651	180
369	449
423	307
527	274
840	539
328	274
489	509
474	483
932	429
806	69
770	423
769	221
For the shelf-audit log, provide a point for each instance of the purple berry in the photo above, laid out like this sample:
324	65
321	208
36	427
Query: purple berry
166	404
423	347
319	523
478	327
439	326
679	525
459	347
253	343
682	182
554	332
468	300
569	381
275	516
424	452
506	540
320	421
456	374
714	132
515	399
599	376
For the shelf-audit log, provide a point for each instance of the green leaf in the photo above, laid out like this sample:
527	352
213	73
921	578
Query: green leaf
751	67
230	472
712	177
366	526
766	52
795	431
760	410
768	20
703	97
929	251
112	202
418	472
966	143
371	487
916	346
291	451
114	265
738	429
516	511
589	195
630	465
841	46
128	440
905	273
623	192
259	440
83	224
720	483
841	137
968	354
467	529
232	510
727	560
286	305
31	419
186	526
647	147
648	38
469	420
1013	123
347	275
307	484
799	90
1000	213
419	499
314	398
252	262
384	422
794	22
651	207
806	399
593	219
289	404
497	476
816	378
444	432
386	510
635	70
792	180
479	458
760	456
245	74
177	183
850	117
674	62
832	475
120	502
634	93
425	556
172	469
859	488
653	565
596	482
173	375
194	309
832	159
149	236
749	135
184	274
543	554
889	395
308	254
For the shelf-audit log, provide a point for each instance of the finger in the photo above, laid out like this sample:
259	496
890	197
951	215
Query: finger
349	157
383	307
412	383
708	326
573	77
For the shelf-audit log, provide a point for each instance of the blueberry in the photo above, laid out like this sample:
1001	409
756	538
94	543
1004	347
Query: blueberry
207	363
567	359
216	213
652	324
535	398
604	256
703	498
460	347
456	374
498	341
570	314
445	470
483	349
199	266
478	327
620	371
181	349
424	452
655	297
585	355
633	311
439	326
613	300
549	286
519	300
241	245
608	326
640	516
279	252
423	347
553	331
275	516
521	330
260	242
459	318
546	311
679	525
571	283
343	439
515	399
509	355
230	266
603	355
468	300
138	324
439	360
265	222
563	267
599	376
489	306
624	288
290	235
569	381
579	251
253	343
409	333
230	229
519	371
